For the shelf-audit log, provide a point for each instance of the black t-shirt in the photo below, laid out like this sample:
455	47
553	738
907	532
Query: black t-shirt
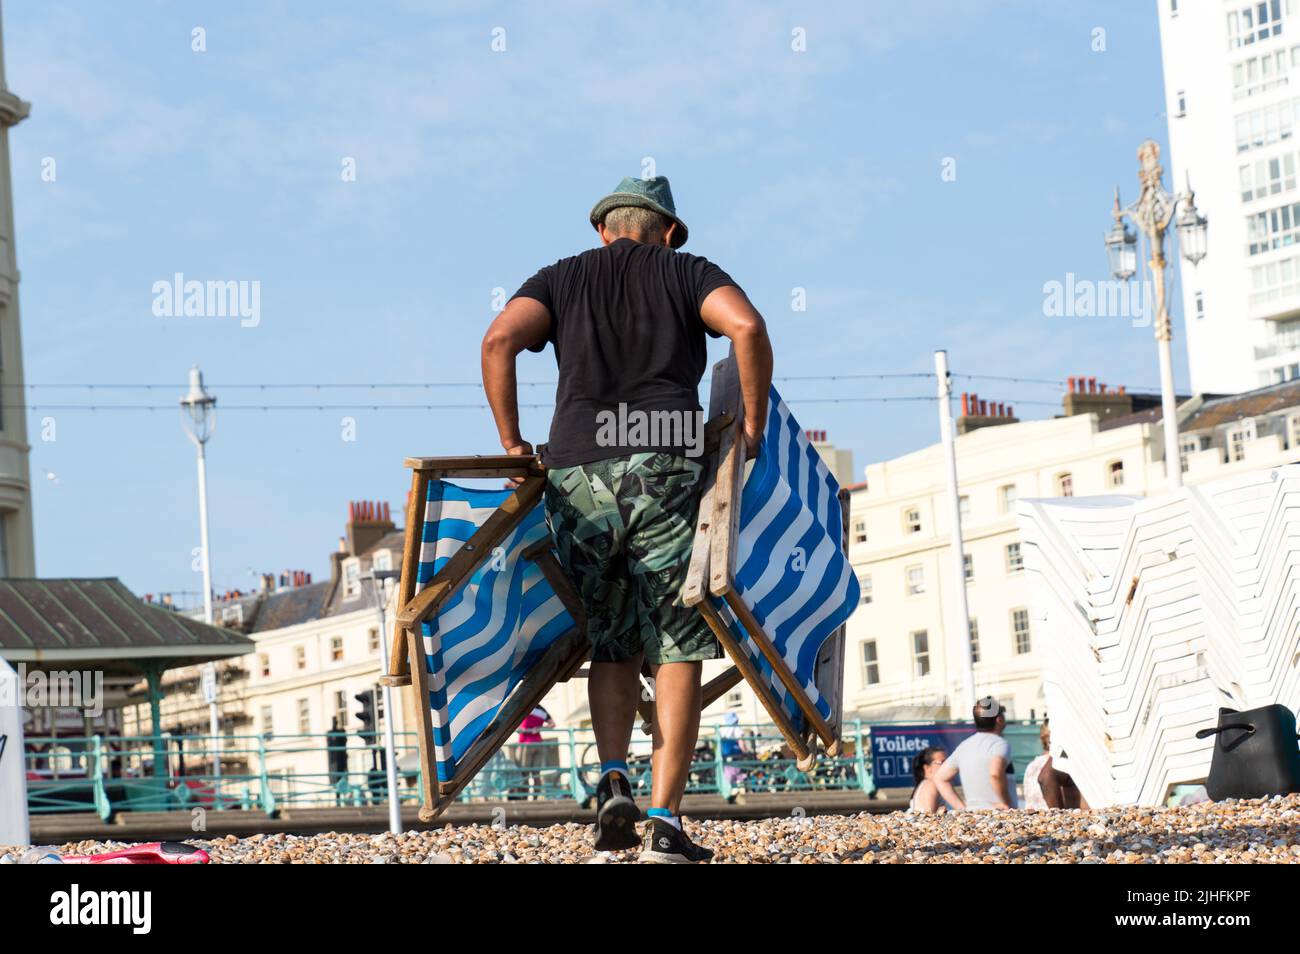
625	322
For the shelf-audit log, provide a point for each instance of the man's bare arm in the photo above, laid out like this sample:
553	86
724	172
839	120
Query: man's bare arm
727	311
998	774
943	782
523	323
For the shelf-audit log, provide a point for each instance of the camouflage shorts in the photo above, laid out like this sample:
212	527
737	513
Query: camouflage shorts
623	529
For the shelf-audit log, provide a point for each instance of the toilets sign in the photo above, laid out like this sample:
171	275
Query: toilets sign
893	747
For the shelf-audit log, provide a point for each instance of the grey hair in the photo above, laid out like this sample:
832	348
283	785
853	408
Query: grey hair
634	220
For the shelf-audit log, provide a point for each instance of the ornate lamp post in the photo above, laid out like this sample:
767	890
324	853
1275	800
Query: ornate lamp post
1153	212
199	418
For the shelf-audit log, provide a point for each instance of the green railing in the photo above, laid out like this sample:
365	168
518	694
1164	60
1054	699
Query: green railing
115	774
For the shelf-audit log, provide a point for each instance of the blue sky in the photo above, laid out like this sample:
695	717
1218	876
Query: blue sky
818	170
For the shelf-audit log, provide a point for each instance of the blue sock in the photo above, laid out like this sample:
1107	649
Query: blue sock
619	766
665	815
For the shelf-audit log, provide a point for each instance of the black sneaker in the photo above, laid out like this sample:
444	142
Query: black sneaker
616	814
665	845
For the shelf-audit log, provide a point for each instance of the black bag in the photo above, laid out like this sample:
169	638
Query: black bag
1255	755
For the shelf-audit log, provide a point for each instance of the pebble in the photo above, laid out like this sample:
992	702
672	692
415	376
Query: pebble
1256	831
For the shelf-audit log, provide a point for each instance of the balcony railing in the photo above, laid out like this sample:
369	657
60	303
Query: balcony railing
109	774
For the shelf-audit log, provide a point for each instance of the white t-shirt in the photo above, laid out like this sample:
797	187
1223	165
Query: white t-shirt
972	759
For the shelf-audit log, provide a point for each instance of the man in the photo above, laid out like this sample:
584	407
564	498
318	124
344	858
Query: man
629	321
988	779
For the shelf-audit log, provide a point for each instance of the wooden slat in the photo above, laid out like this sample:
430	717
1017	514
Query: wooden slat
472	553
829	672
418	693
499	465
720	685
756	682
726	490
697	572
398	672
779	666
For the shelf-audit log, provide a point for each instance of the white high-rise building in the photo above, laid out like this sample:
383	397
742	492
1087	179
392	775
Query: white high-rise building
1232	86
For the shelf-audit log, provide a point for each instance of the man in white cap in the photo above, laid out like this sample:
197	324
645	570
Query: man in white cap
988	778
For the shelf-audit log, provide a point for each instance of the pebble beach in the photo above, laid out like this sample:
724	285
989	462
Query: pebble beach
1258	831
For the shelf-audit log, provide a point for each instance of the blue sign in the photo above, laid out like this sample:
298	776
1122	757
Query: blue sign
893	747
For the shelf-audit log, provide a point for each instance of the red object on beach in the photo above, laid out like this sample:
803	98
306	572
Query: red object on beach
152	853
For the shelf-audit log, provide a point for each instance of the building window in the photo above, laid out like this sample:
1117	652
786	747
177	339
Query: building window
974	640
304	717
336	649
300	656
968	563
915	580
383	560
1020	630
1015	561
1007	498
870	664
912	520
1293	431
1273	228
1173	8
1265	126
1181	99
264	664
1115	473
1065	485
963	508
864	590
1253	23
351	579
1238	437
374	640
1259	74
920	654
1265	177
1189	444
268	722
859	531
1200	306
341	708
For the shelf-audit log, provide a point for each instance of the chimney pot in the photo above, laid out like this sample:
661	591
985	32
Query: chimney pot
965	403
1092	385
1010	411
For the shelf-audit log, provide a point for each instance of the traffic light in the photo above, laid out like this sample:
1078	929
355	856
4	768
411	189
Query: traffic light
367	715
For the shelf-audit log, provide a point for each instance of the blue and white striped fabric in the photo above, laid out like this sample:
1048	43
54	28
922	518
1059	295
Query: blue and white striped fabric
487	636
791	570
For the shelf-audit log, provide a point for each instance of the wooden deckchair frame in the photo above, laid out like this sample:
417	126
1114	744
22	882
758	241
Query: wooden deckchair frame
712	574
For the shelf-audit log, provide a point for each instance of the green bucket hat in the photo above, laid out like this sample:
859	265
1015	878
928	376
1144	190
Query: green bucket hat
654	194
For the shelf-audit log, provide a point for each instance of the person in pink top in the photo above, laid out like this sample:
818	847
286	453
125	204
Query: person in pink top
532	753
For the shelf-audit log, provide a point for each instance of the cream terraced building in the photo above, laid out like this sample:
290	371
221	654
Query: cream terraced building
901	658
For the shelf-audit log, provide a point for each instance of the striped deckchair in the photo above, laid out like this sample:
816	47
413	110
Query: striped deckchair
489	623
779	586
488	634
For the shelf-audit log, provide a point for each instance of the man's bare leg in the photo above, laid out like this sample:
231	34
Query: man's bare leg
613	690
676	728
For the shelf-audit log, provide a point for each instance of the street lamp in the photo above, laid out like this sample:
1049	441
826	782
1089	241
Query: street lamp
377	579
199	418
1153	211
